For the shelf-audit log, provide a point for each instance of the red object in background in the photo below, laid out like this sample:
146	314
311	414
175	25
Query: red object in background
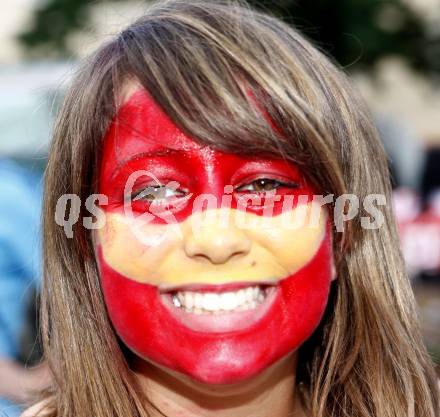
419	231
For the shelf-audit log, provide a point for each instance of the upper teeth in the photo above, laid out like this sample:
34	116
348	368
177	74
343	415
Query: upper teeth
210	302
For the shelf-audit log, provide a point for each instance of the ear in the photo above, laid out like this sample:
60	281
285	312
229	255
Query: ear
334	275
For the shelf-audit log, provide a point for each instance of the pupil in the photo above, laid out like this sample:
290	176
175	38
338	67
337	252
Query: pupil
153	192
265	185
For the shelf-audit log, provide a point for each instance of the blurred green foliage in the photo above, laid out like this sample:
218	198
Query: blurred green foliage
357	33
53	22
360	32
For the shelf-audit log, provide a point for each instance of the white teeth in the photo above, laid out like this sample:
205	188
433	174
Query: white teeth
216	303
241	297
211	302
176	301
180	297
229	301
198	299
188	300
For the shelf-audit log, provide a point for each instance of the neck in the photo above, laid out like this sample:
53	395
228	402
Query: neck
272	393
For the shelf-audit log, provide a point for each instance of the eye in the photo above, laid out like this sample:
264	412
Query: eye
158	193
262	185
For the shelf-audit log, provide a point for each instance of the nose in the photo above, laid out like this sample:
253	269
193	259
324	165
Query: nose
216	244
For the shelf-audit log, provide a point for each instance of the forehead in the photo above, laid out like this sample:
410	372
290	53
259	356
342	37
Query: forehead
141	125
141	129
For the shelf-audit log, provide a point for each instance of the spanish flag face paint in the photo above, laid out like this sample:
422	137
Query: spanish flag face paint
212	264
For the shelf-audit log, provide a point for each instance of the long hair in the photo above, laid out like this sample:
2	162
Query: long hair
214	67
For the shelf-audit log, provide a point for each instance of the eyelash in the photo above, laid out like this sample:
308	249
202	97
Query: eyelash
142	194
151	190
273	181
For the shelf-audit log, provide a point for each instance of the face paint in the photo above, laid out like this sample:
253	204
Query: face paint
209	287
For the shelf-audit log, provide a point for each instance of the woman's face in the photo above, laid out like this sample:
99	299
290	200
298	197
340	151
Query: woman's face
209	264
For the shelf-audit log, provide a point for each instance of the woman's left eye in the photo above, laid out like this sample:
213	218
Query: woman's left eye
262	185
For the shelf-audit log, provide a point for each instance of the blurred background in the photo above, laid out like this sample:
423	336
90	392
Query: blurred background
390	48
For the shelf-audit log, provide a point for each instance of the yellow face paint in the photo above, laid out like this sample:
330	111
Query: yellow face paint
217	246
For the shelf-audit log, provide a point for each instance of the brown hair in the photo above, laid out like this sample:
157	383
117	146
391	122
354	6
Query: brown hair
199	60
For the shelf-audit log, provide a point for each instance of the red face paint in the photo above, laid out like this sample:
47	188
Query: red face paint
143	138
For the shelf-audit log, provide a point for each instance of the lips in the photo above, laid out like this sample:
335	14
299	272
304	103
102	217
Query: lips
222	310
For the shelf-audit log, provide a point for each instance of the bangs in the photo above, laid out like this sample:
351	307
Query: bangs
235	82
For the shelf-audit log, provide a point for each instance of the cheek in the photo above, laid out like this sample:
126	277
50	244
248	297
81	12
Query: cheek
156	253
292	238
135	249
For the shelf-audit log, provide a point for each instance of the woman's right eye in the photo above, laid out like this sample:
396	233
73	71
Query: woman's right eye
158	194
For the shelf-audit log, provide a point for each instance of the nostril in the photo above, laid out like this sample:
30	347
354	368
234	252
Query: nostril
216	245
216	258
216	252
201	257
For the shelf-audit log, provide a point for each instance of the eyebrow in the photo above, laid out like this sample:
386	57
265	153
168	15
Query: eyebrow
158	152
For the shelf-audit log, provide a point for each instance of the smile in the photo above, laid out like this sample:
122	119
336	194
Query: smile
222	310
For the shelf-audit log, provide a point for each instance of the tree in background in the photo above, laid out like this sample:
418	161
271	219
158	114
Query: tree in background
360	32
357	33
